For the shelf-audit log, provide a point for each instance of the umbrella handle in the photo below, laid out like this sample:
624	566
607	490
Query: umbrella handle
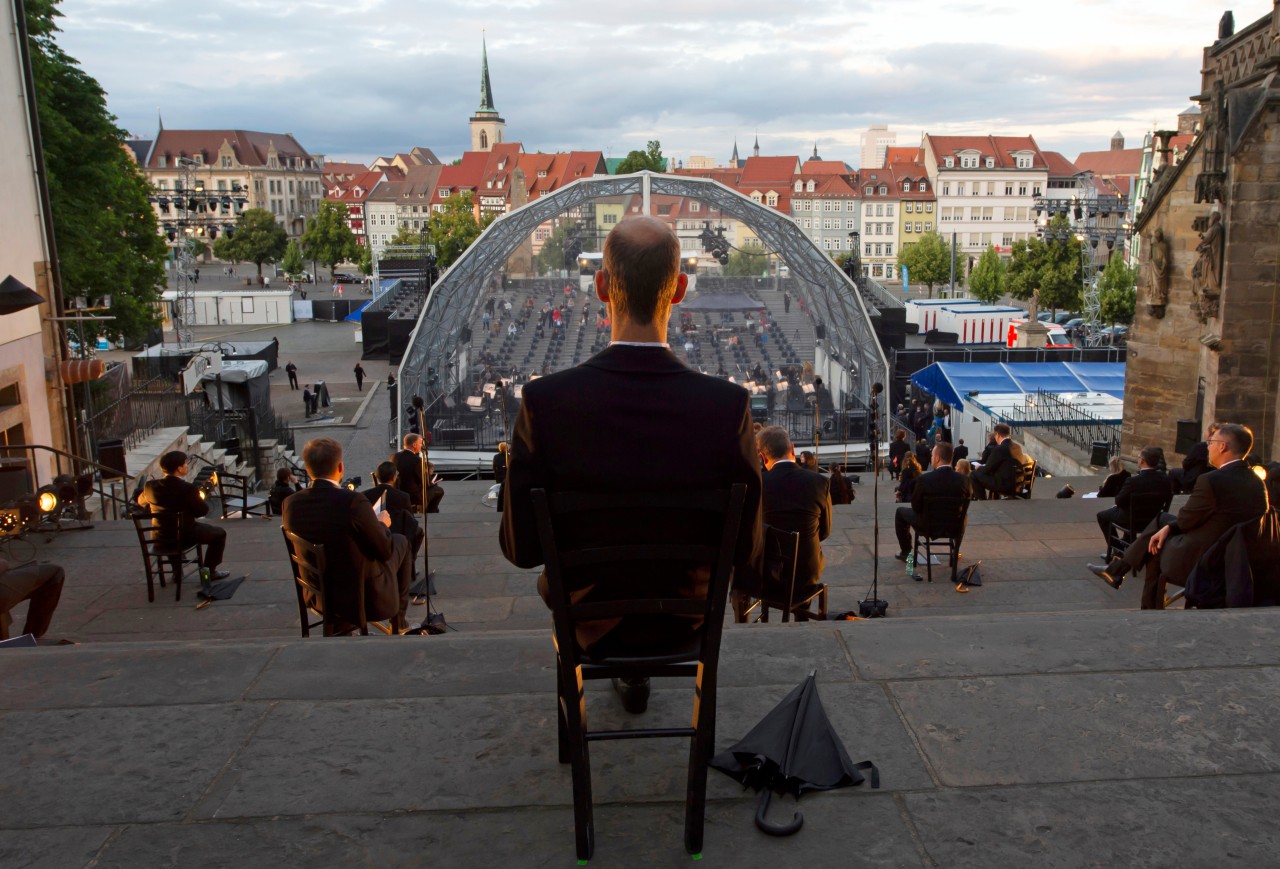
787	829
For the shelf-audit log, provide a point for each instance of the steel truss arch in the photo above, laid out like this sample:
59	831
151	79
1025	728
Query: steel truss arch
456	299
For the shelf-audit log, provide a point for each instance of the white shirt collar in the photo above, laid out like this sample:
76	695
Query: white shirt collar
663	344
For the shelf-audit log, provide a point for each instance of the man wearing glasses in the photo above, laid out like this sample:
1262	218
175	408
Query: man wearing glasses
1170	546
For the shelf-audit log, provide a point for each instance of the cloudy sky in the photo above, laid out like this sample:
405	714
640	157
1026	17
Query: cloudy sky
353	79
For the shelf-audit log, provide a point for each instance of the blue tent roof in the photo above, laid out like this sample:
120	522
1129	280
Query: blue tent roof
952	381
357	316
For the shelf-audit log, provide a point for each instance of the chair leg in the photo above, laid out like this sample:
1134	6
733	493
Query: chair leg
822	604
580	759
701	747
928	558
954	552
176	563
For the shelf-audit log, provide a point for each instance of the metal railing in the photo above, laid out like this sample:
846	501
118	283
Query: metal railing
131	412
1049	412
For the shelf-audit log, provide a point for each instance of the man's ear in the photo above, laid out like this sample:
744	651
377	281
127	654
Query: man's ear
682	287
602	286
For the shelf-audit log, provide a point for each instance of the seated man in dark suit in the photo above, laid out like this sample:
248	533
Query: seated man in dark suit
1002	472
795	499
409	464
1149	480
397	503
357	547
41	584
1170	547
608	425
172	494
941	482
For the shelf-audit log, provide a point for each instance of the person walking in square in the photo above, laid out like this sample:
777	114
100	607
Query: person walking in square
306	399
292	371
359	372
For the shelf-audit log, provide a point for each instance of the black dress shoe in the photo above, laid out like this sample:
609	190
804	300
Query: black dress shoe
1108	573
634	693
901	556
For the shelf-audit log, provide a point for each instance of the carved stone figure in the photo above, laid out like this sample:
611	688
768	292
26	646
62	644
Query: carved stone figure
1158	275
1206	274
1211	182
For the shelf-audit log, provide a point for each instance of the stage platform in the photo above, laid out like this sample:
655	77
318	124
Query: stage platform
1037	720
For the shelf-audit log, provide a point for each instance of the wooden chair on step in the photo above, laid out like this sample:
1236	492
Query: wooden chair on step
781	554
703	529
235	491
306	560
941	524
1142	509
160	536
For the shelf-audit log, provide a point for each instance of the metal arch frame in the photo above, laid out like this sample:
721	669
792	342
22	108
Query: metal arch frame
456	298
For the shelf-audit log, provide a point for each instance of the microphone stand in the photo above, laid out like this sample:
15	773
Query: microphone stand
873	607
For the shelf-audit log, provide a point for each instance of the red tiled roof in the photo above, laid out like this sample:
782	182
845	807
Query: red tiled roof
1126	161
824	167
768	173
902	154
355	190
250	147
344	170
999	148
1059	166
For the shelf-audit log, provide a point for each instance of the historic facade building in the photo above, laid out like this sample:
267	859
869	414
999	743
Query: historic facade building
1205	345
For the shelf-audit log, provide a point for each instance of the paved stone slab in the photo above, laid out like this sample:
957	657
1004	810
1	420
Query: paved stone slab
626	836
1015	644
1189	823
114	765
127	675
51	848
1057	728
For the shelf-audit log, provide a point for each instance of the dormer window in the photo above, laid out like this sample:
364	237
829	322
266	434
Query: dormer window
1023	161
799	185
968	161
502	165
922	187
868	191
883	190
542	173
772	199
906	186
444	192
809	189
950	162
489	184
991	163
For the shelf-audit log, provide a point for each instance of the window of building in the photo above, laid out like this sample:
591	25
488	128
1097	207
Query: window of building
879	210
928	227
871	209
878	270
1035	191
1024	162
868	250
1022	190
991	188
922	186
883	189
968	162
906	227
888	209
888	249
808	224
225	162
755	197
809	187
960	186
695	206
950	162
868	190
928	207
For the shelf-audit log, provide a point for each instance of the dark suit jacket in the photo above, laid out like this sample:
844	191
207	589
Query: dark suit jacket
1114	484
1148	481
633	419
409	468
172	495
400	507
1005	465
356	545
942	482
960	452
1222	498
1195	463
797	499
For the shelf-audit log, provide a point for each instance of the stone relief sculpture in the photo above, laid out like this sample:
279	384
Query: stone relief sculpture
1211	182
1206	274
1158	275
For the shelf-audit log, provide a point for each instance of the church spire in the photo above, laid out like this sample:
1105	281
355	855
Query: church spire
486	90
755	151
733	161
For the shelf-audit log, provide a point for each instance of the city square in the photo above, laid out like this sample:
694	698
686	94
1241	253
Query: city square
980	373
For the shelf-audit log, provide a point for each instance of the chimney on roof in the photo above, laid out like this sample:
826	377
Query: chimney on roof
1117	141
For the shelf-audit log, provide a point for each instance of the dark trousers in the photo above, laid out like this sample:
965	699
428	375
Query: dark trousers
1137	557
985	485
904	519
293	380
214	540
41	584
1107	518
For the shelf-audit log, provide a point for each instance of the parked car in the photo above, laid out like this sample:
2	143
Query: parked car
1044	316
347	278
1114	334
1064	316
1073	323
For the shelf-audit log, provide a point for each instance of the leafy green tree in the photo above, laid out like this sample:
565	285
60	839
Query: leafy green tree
453	229
327	239
986	281
650	158
746	263
1050	265
105	228
1117	296
929	261
406	236
364	259
258	239
293	263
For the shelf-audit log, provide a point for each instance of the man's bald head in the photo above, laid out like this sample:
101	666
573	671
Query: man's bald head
642	268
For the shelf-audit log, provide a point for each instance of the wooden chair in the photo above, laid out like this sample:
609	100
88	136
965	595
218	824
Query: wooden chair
235	491
781	553
559	517
306	560
1142	509
159	535
941	524
1022	491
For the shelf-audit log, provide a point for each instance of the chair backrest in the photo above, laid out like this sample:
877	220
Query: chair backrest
1146	506
163	529
781	552
307	561
944	516
703	530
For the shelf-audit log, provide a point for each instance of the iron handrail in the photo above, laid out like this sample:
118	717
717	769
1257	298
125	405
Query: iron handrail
119	502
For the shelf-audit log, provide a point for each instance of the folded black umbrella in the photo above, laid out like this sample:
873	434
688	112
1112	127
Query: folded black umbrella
220	590
792	750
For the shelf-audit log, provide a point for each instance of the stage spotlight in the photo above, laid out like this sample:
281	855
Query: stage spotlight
47	499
